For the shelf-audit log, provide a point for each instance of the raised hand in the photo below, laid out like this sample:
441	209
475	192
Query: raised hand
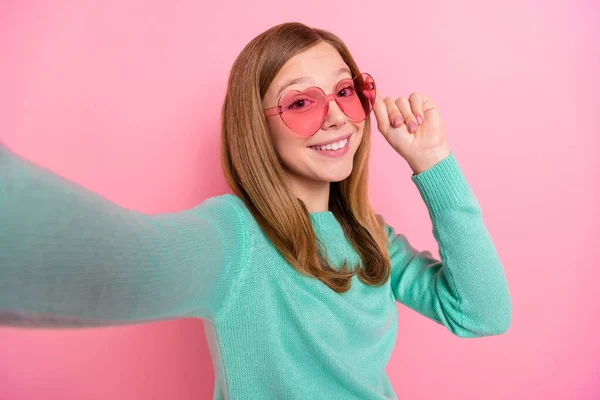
413	127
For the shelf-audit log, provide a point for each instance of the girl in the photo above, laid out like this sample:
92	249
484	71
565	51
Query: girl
295	276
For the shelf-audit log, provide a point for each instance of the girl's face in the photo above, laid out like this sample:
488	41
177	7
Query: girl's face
320	66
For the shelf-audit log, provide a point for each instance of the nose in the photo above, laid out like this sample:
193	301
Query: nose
335	116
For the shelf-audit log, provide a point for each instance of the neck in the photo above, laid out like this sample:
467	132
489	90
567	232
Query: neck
314	194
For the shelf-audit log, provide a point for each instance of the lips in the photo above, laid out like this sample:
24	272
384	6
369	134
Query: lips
332	140
333	154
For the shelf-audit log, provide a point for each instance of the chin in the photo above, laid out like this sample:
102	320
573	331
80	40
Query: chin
337	177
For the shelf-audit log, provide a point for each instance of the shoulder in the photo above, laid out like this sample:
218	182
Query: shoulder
226	210
387	229
229	210
396	240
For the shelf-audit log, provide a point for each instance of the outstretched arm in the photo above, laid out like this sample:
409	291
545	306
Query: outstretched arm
71	258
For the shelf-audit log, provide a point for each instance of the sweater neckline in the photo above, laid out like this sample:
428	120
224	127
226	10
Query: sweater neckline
321	220
324	220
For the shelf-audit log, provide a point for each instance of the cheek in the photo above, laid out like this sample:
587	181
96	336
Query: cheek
358	135
277	131
284	141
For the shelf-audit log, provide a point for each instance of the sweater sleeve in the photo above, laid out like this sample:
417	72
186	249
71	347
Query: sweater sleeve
71	258
466	291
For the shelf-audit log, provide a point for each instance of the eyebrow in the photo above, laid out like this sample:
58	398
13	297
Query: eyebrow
304	79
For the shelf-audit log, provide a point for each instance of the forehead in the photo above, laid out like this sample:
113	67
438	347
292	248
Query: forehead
319	59
320	63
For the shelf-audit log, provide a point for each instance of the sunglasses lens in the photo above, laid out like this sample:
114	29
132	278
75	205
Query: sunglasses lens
304	111
356	96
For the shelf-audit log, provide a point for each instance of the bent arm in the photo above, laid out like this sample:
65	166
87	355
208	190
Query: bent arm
466	290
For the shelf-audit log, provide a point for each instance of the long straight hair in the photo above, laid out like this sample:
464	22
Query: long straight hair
253	171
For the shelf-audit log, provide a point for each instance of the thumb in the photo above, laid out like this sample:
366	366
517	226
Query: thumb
381	114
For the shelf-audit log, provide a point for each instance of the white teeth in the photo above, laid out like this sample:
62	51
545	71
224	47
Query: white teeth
332	146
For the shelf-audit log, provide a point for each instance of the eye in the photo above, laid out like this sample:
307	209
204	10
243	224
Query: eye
298	104
347	91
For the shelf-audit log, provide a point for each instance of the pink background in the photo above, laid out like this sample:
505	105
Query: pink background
124	98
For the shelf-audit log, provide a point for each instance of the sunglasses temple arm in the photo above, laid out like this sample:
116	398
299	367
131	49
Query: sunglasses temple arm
270	112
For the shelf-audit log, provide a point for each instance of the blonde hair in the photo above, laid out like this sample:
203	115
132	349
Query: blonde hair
253	171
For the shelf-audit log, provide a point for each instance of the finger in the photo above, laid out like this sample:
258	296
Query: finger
427	105
381	114
416	105
403	105
394	114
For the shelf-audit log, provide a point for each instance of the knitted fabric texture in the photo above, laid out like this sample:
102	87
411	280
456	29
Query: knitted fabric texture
70	258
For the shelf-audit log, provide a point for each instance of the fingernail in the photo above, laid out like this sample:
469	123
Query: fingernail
412	126
419	119
398	120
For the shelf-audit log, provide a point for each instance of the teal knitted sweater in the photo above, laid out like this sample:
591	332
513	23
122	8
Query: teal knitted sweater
71	258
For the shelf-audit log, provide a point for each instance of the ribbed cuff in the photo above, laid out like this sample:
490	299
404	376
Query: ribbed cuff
444	185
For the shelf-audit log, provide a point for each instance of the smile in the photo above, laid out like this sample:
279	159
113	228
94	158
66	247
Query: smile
336	149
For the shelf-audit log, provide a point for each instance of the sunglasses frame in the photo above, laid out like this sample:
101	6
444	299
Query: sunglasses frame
327	98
